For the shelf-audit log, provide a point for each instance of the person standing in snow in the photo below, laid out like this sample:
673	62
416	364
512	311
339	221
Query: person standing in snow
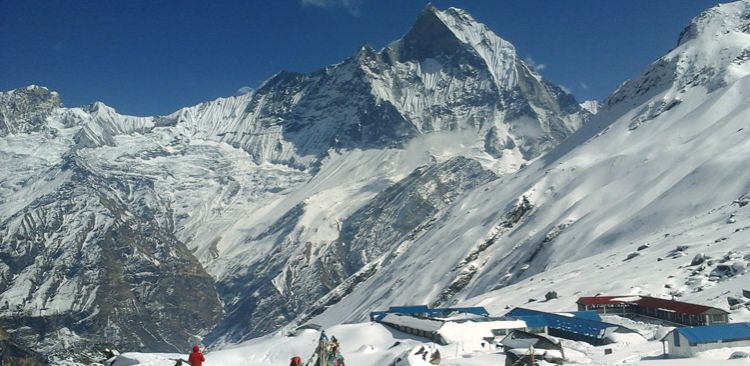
196	358
296	361
337	358
322	355
323	337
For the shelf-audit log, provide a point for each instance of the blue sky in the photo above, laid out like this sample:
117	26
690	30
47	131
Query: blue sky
148	57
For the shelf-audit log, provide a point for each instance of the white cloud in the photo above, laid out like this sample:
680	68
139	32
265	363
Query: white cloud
534	65
584	85
565	89
351	5
244	90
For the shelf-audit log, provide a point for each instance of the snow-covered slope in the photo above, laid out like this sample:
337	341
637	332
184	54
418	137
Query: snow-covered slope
662	165
645	199
273	193
450	85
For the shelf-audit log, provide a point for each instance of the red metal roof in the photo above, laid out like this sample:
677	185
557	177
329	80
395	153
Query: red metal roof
599	300
648	302
678	306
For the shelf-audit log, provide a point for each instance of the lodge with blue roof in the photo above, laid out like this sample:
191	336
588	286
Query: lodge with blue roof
584	326
422	321
447	325
474	324
687	341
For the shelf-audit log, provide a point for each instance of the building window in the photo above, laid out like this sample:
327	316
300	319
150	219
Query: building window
676	339
715	318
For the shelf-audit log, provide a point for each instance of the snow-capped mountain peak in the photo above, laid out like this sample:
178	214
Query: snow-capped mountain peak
717	50
453	31
713	51
718	21
101	108
591	105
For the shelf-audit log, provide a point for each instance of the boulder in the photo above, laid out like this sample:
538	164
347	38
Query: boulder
734	301
124	361
632	255
698	259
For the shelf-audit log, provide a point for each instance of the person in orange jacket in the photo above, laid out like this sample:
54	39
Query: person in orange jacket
196	358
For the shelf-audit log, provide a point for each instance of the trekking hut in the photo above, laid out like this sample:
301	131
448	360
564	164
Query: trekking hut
672	311
442	331
687	341
448	325
577	328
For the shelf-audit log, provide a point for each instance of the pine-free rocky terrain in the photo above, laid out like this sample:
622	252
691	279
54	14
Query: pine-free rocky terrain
439	170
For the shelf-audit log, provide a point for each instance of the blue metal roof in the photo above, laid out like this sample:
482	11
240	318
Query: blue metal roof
582	326
478	310
426	311
588	314
533	321
376	316
443	312
416	309
715	333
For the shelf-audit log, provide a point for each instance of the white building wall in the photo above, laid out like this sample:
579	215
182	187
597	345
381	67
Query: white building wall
682	351
710	346
686	350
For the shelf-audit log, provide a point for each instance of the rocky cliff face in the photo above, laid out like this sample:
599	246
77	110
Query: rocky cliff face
85	259
268	206
26	110
16	354
303	278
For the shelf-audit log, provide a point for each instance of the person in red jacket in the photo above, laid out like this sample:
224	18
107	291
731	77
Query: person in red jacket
196	358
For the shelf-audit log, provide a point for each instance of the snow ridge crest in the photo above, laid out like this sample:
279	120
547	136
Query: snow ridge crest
439	32
712	52
720	19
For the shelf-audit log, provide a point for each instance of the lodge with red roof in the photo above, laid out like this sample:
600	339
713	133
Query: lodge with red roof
677	312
